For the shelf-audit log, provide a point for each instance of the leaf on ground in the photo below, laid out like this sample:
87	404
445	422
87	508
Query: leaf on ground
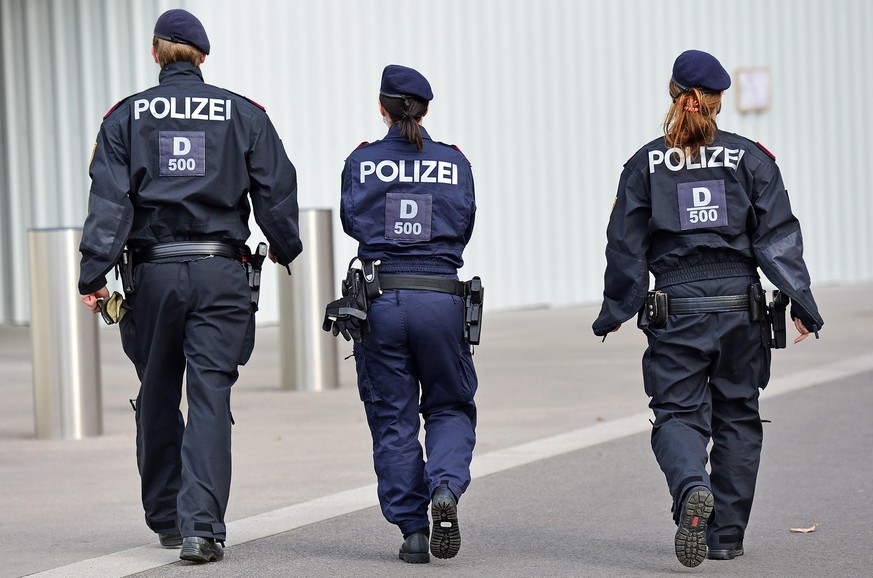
804	530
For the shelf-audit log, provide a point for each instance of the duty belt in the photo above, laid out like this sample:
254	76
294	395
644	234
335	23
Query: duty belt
688	305
422	283
186	248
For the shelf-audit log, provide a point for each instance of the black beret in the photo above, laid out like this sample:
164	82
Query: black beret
399	81
181	26
698	69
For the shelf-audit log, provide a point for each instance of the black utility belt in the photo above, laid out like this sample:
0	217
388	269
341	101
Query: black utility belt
187	248
252	262
722	303
422	283
659	305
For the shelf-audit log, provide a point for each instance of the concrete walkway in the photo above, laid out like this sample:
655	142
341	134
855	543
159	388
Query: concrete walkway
564	481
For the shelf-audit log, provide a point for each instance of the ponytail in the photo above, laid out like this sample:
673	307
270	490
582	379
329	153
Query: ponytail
406	112
690	122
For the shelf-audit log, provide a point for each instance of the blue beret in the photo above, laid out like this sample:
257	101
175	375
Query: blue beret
698	69
399	81
182	27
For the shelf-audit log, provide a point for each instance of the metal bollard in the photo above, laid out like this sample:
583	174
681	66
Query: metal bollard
308	354
66	356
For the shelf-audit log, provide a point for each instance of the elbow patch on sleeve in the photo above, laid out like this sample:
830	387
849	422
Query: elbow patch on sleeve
626	279
102	224
284	209
786	257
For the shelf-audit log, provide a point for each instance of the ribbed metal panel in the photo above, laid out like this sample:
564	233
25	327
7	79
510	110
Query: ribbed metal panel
547	99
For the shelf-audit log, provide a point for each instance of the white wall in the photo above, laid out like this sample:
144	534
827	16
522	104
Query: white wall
547	98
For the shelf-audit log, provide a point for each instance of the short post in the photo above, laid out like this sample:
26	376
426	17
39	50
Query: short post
308	354
67	400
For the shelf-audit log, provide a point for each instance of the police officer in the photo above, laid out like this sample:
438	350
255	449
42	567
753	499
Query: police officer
171	176
702	209
409	202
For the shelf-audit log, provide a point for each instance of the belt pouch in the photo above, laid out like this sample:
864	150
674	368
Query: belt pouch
656	308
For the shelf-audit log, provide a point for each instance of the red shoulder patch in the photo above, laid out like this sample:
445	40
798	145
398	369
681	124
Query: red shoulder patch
362	144
114	106
257	104
244	97
763	148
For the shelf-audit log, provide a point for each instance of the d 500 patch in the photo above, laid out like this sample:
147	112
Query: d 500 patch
182	153
408	216
702	205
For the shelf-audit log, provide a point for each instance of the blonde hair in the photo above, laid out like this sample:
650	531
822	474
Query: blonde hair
690	122
168	52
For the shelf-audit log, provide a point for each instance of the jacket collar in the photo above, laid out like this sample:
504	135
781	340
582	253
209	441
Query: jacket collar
394	133
182	70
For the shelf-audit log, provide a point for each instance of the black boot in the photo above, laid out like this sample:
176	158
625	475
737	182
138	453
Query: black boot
197	549
170	540
690	538
725	553
445	540
414	548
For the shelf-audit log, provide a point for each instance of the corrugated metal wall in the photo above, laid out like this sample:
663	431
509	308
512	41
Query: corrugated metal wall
547	98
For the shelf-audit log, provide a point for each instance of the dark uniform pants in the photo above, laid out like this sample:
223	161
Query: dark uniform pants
192	316
703	373
416	340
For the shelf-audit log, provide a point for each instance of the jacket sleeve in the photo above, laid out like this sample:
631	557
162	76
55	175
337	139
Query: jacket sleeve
778	246
626	280
110	211
468	233
273	190
347	206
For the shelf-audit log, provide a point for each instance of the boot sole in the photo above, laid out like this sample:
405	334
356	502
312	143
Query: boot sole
691	536
445	540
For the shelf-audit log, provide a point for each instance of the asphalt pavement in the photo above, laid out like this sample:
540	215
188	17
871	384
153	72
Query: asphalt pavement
564	484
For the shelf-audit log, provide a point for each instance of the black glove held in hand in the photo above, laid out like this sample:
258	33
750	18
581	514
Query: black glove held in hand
348	315
345	316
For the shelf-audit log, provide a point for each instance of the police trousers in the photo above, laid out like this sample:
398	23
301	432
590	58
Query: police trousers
415	361
191	318
703	373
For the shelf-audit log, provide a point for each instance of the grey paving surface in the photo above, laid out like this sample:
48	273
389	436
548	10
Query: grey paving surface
604	511
601	511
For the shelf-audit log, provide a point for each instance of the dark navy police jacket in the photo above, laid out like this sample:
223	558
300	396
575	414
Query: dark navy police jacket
720	214
179	162
413	210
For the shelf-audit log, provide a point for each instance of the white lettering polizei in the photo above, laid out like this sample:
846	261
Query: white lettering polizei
675	159
419	171
190	107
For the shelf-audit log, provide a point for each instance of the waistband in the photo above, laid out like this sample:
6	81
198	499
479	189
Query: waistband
187	248
721	303
416	265
716	270
422	283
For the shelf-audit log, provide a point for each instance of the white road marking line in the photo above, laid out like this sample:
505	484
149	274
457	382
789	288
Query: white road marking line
282	520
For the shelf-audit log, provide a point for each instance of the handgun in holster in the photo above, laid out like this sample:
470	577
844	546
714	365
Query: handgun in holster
254	262
758	304
776	315
124	271
474	295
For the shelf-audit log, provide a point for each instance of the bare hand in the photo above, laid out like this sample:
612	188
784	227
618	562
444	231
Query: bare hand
90	300
801	328
271	255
